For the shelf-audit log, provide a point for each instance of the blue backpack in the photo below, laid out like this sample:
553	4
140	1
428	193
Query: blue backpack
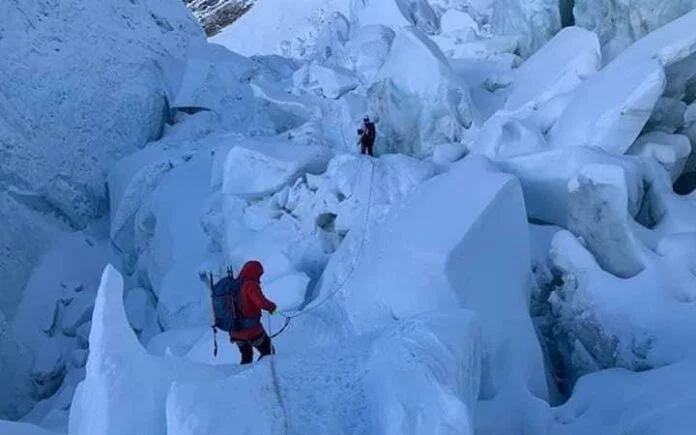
227	304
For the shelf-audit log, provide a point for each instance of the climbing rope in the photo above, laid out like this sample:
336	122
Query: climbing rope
274	370
356	258
276	383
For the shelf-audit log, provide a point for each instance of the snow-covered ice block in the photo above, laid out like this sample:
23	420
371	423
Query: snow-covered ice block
545	177
328	82
140	307
532	22
279	163
690	114
568	59
670	150
125	389
622	401
130	181
459	23
503	136
604	321
355	386
610	109
288	292
619	23
368	48
449	153
598	213
216	79
178	341
667	116
453	260
18	428
394	13
419	107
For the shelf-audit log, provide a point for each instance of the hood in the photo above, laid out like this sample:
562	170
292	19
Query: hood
251	270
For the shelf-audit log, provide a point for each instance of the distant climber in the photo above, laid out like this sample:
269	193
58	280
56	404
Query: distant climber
367	136
237	304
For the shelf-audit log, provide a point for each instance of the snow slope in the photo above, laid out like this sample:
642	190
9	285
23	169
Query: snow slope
356	386
291	33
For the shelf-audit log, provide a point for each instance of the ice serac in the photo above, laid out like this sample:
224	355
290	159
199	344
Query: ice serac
598	213
125	388
130	181
545	177
352	387
619	23
532	22
569	58
216	79
419	107
280	164
670	150
454	260
610	109
368	48
637	323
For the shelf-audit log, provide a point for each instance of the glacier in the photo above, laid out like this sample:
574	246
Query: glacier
518	257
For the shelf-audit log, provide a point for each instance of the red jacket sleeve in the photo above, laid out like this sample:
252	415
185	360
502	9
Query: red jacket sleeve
257	297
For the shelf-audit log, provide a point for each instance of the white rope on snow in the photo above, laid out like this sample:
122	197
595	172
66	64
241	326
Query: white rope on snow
274	370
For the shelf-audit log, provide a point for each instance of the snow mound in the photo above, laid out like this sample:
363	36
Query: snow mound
280	164
125	389
569	58
419	107
532	22
444	264
620	401
292	33
352	387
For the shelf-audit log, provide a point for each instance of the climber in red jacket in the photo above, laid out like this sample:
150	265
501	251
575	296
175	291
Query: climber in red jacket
252	302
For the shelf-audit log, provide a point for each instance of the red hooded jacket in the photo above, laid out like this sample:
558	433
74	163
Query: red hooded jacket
252	300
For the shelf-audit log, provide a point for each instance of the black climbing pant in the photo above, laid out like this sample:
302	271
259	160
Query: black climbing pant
262	343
